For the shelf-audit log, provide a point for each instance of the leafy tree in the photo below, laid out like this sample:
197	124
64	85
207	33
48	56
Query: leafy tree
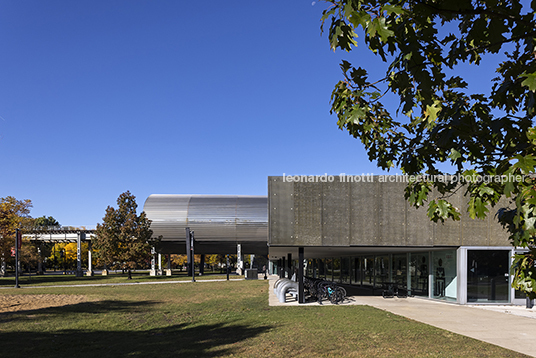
436	118
13	213
179	260
33	252
65	254
212	260
123	240
44	221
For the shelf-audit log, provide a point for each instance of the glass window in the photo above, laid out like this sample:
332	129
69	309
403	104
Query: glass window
321	271
399	272
487	275
444	275
381	271
368	270
329	269
356	270
345	270
419	274
337	270
309	268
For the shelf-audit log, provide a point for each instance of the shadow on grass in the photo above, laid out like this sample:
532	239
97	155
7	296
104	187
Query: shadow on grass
56	279
208	340
42	338
95	307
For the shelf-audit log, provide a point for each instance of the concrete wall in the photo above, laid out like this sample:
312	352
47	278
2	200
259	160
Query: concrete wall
366	213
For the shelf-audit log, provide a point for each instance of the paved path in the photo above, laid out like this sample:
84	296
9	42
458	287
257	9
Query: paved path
126	283
511	327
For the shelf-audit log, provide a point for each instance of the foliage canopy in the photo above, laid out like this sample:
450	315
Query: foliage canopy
437	118
13	213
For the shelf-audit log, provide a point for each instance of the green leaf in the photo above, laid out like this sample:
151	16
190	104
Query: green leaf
377	26
430	114
509	186
359	19
442	208
529	223
477	208
454	154
529	81
389	9
526	163
356	114
486	190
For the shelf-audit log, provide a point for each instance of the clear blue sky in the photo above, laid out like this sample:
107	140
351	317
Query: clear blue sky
164	97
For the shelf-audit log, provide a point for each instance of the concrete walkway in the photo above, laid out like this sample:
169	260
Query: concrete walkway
511	327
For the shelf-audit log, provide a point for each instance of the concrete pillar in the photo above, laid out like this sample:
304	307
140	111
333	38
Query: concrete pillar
40	261
159	272
153	262
89	271
251	258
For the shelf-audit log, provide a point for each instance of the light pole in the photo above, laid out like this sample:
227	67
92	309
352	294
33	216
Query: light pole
193	256
18	242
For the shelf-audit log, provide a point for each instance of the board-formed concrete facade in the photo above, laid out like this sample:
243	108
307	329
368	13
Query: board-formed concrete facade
372	212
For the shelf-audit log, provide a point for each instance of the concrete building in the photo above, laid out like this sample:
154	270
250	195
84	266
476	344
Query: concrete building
360	230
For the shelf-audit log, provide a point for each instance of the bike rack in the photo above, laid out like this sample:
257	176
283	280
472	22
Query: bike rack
284	286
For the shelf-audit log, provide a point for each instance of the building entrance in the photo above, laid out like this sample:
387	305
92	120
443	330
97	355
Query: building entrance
487	276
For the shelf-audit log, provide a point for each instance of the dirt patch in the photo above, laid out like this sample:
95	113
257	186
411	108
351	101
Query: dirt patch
13	303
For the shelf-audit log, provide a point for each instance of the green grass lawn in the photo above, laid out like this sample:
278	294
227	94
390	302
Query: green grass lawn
215	319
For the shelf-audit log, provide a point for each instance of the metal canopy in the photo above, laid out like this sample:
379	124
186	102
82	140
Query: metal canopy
58	234
216	219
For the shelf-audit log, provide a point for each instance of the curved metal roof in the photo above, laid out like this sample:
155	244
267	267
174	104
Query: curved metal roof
227	218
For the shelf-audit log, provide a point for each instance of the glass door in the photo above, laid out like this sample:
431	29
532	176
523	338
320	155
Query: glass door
487	276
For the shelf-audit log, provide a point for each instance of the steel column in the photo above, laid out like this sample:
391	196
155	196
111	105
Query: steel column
289	264
190	254
81	236
301	292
